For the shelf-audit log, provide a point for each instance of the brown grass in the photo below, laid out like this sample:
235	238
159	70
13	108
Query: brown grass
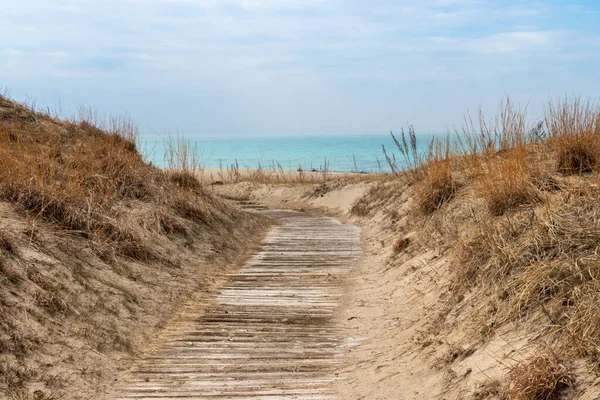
574	130
498	158
437	185
492	388
531	252
185	179
401	245
540	377
430	172
73	173
507	181
540	261
516	206
70	174
7	243
89	231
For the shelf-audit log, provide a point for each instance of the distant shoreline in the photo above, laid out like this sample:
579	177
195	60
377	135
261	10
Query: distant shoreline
331	153
225	175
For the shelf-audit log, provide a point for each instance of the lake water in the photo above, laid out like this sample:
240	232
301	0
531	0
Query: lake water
342	153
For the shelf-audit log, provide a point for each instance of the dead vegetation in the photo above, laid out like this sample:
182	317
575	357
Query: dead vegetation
574	128
514	205
437	185
539	377
88	233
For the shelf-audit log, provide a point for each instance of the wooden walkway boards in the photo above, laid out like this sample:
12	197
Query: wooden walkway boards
270	334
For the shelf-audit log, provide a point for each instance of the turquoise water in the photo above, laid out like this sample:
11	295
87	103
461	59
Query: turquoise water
308	152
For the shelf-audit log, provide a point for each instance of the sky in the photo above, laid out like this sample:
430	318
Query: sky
297	67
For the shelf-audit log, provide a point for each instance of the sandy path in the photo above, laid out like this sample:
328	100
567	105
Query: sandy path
271	333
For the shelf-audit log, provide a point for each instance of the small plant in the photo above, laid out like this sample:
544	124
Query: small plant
185	179
539	377
412	160
574	128
401	245
492	388
7	243
497	158
507	182
437	185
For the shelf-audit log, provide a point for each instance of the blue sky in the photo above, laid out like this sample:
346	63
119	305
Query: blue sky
297	66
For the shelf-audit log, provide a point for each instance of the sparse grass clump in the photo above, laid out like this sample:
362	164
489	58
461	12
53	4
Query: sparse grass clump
437	185
7	243
574	132
401	245
506	182
185	179
539	377
498	159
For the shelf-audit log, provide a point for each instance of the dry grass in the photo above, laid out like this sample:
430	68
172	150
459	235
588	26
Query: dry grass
72	174
412	161
14	377
89	231
182	154
492	388
431	172
540	377
185	179
507	181
574	131
516	205
386	190
498	158
437	185
7	243
541	261
401	244
35	395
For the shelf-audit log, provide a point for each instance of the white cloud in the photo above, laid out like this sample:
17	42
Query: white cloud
247	4
248	51
508	42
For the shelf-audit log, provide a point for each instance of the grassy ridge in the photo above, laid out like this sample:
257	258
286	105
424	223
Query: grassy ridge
515	206
88	232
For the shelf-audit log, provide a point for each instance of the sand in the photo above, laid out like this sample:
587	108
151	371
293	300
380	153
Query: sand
389	310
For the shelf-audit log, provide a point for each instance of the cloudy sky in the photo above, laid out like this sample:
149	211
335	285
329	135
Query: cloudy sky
297	66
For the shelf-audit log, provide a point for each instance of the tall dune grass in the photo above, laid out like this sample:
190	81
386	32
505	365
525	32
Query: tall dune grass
574	133
72	173
497	155
524	237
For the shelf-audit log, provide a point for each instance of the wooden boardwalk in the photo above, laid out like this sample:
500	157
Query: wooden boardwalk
270	334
